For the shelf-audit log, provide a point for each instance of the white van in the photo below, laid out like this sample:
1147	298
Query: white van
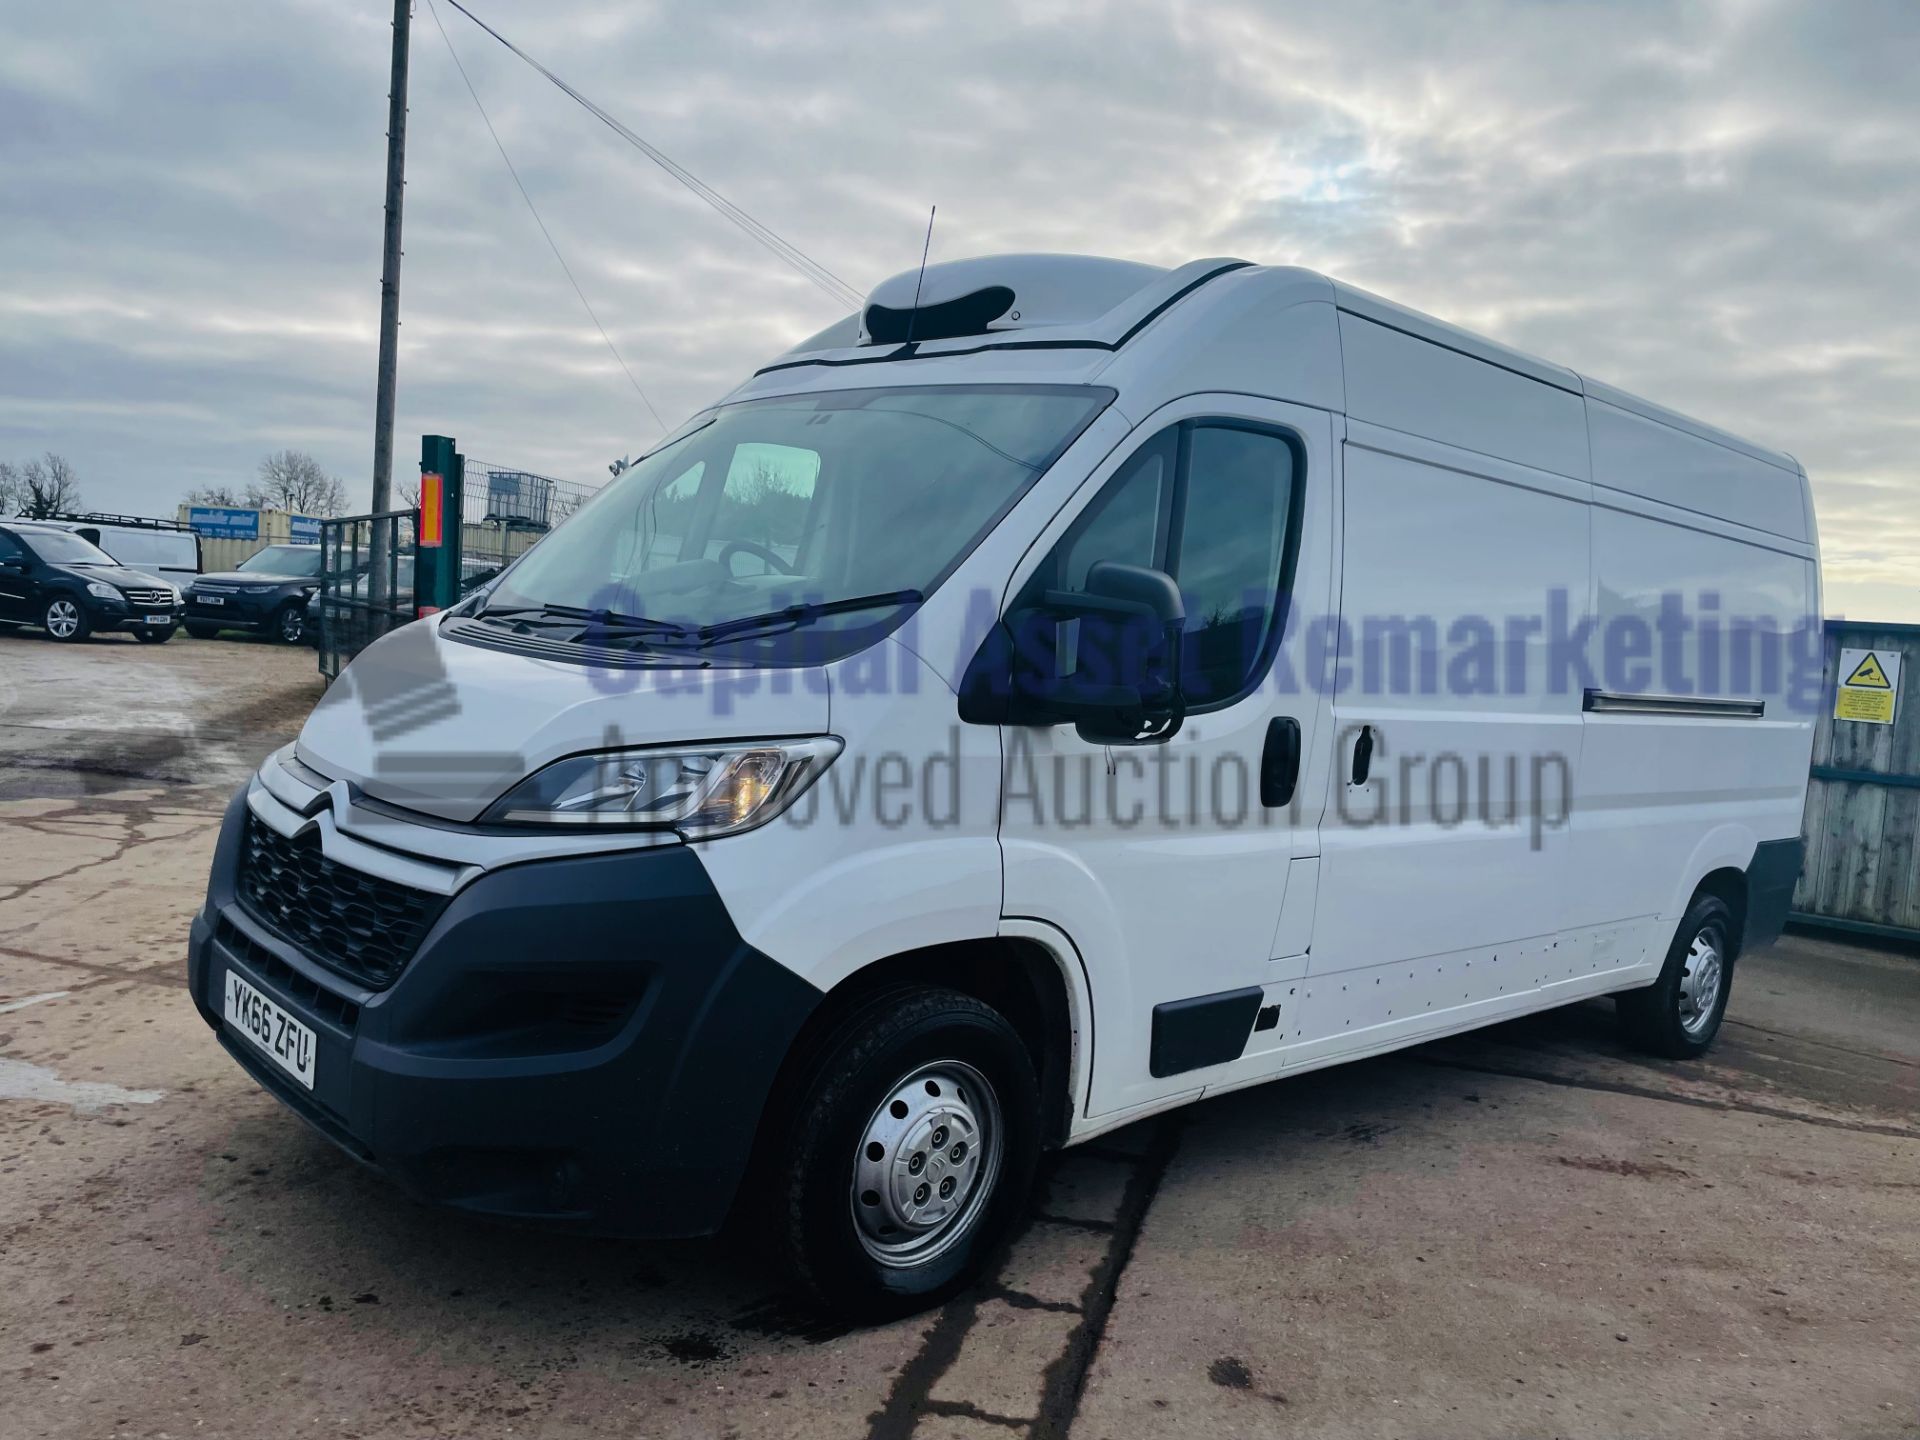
160	547
1061	691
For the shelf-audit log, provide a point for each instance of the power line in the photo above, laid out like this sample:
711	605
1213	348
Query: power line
534	210
784	250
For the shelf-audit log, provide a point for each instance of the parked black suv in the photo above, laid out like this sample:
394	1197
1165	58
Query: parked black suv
267	593
69	586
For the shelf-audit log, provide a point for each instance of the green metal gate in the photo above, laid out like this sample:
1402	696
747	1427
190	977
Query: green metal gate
473	519
366	583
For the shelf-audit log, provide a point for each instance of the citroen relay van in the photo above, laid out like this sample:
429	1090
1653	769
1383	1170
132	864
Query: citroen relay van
1062	690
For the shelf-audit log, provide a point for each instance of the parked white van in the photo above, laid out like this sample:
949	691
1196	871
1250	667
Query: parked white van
160	547
1063	690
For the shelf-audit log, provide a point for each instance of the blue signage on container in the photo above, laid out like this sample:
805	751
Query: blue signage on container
303	529
217	522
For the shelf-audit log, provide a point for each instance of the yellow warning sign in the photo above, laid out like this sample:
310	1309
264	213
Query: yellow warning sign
1868	674
1870	688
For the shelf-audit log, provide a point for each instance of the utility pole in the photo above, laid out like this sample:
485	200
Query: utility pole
390	297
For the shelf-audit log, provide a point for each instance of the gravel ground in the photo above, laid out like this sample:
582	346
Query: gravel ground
1524	1232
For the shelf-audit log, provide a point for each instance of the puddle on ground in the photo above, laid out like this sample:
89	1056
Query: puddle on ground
21	1081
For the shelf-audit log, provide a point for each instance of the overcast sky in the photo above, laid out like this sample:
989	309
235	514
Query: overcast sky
1716	206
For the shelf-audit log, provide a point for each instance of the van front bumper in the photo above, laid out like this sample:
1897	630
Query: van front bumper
585	1041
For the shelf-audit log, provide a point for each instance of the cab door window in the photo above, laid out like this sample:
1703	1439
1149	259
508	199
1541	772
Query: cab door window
1215	504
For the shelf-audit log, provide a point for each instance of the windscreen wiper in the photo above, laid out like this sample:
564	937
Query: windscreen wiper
597	622
794	616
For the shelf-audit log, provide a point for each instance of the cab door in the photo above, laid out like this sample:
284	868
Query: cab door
1171	867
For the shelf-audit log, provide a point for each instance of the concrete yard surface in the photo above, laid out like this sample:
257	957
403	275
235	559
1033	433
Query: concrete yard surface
1526	1231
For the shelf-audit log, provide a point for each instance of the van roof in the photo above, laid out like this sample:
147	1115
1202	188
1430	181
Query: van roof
1023	303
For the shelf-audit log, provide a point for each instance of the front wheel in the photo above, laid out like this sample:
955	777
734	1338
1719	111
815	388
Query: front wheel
154	637
66	619
910	1154
1680	1013
290	623
202	632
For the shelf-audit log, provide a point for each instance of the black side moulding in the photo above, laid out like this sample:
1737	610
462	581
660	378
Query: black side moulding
1205	1030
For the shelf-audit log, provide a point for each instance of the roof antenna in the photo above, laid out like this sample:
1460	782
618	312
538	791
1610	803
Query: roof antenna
914	314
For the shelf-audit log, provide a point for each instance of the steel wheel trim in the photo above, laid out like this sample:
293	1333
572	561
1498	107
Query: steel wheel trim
1701	977
63	619
927	1163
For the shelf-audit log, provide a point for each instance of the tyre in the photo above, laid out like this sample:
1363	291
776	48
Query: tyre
65	619
906	1156
1680	1013
202	632
154	637
289	623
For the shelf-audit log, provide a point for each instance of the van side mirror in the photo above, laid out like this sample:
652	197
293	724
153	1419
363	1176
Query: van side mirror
1114	675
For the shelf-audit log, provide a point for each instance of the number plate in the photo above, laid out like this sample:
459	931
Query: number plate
280	1037
211	599
159	619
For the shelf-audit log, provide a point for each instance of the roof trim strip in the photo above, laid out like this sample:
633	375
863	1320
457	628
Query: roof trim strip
912	350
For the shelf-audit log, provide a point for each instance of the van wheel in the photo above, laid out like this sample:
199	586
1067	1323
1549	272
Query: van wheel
908	1155
66	619
1680	1013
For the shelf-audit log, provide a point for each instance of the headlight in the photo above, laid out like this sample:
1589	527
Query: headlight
174	591
701	792
102	589
259	589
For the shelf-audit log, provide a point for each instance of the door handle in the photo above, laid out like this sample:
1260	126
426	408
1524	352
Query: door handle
1363	755
1280	762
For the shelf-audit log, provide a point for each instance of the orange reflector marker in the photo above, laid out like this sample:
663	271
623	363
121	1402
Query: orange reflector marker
432	509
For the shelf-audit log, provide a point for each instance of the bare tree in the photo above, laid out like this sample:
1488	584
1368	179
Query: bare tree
228	497
13	489
51	486
293	480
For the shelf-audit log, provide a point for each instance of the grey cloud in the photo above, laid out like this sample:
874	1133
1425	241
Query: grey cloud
1712	204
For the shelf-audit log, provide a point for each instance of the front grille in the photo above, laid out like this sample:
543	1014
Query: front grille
318	999
357	924
150	597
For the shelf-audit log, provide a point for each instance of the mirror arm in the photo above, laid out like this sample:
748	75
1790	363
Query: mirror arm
1077	603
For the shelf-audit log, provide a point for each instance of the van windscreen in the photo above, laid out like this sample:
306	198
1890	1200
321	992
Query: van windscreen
808	500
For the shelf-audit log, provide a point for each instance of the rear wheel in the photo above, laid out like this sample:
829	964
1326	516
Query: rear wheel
202	632
1680	1013
908	1155
65	618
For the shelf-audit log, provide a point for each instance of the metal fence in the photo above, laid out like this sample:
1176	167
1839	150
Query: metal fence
505	510
508	508
353	609
1863	800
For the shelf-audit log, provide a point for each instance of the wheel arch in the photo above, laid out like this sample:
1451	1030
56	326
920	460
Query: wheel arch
1729	885
1717	866
1021	975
